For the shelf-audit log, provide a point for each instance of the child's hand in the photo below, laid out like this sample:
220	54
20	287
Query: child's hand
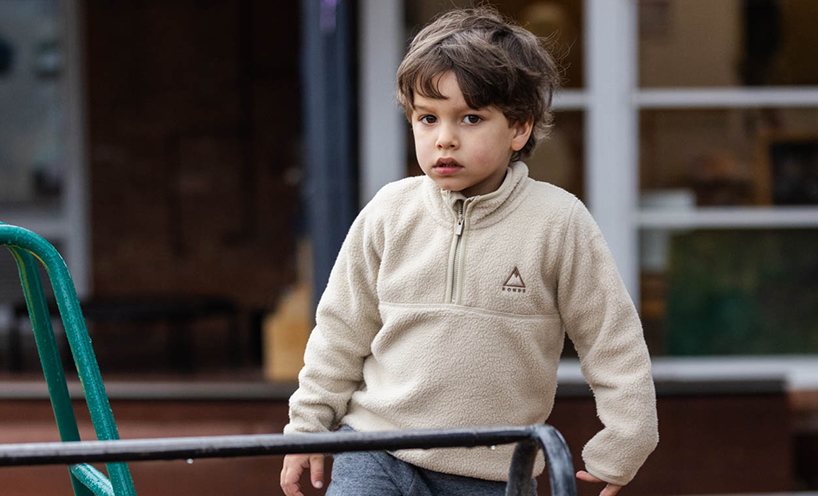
610	489
294	466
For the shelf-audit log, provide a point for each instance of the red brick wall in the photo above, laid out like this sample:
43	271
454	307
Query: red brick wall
710	444
194	129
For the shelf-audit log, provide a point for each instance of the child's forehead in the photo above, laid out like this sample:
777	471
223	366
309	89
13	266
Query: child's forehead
435	84
440	90
427	104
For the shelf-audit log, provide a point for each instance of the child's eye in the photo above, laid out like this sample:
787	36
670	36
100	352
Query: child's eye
472	119
428	119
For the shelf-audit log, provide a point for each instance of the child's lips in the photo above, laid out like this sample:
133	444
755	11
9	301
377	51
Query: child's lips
446	167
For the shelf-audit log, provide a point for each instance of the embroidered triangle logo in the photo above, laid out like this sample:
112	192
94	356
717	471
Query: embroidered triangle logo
514	283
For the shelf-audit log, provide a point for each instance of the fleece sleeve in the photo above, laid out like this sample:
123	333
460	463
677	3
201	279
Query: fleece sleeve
347	320
602	322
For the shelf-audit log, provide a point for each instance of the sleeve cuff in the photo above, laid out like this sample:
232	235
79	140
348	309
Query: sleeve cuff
619	480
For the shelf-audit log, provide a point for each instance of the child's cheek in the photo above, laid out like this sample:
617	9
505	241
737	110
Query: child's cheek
423	153
480	153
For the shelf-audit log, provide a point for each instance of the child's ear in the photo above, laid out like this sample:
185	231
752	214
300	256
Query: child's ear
522	131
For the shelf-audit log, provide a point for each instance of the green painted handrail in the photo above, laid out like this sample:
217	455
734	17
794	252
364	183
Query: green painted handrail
24	246
93	479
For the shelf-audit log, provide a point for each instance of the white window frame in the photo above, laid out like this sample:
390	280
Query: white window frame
613	102
382	126
76	202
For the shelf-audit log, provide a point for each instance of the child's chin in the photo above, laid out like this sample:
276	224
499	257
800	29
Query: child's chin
446	184
451	188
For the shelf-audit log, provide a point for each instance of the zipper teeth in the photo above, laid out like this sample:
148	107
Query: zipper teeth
454	271
459	234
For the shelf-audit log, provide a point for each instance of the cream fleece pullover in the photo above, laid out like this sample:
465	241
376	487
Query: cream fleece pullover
446	311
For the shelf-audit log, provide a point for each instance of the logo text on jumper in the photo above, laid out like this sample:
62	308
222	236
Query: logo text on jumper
514	283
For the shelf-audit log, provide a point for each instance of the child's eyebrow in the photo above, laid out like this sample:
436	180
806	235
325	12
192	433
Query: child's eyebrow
465	108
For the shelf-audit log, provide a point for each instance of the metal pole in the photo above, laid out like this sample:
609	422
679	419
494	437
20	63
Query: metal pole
253	445
558	460
522	468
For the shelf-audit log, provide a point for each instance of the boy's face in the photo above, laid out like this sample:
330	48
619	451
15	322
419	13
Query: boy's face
461	148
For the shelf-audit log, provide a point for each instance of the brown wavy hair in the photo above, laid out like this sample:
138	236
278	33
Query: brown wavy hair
496	62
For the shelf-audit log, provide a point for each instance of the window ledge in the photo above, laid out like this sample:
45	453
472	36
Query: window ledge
798	372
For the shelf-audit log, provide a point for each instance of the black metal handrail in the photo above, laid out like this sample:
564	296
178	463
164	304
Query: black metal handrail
529	441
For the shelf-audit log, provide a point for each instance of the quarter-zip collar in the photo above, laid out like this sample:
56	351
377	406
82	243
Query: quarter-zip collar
483	210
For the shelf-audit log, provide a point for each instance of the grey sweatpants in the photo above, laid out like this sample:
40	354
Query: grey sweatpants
377	473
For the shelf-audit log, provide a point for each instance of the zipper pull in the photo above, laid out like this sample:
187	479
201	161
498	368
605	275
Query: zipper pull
458	227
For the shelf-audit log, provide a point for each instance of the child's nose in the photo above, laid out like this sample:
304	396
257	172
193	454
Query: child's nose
447	138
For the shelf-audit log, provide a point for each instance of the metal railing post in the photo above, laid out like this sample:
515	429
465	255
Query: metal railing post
522	468
557	460
49	353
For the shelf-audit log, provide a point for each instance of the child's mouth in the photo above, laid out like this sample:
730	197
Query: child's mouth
446	166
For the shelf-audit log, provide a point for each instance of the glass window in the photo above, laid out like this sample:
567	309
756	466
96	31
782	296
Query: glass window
730	292
560	21
32	148
559	158
728	42
718	157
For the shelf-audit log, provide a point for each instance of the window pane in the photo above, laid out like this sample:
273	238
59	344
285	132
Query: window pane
31	113
728	42
730	292
559	158
718	157
560	21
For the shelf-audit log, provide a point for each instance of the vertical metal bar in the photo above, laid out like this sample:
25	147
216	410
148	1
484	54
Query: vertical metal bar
87	367
49	352
329	192
557	459
522	468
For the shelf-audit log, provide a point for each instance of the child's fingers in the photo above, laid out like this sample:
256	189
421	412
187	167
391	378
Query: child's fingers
585	476
610	490
317	471
287	486
291	473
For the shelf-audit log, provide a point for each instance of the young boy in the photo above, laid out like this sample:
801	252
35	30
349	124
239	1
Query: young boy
449	300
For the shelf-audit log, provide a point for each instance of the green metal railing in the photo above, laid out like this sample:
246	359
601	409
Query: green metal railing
26	247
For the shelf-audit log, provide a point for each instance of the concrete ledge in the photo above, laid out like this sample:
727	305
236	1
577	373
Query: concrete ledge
159	390
264	391
719	387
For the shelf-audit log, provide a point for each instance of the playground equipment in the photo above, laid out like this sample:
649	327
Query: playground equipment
25	246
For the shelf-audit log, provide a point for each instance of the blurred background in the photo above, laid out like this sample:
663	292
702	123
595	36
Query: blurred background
198	162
